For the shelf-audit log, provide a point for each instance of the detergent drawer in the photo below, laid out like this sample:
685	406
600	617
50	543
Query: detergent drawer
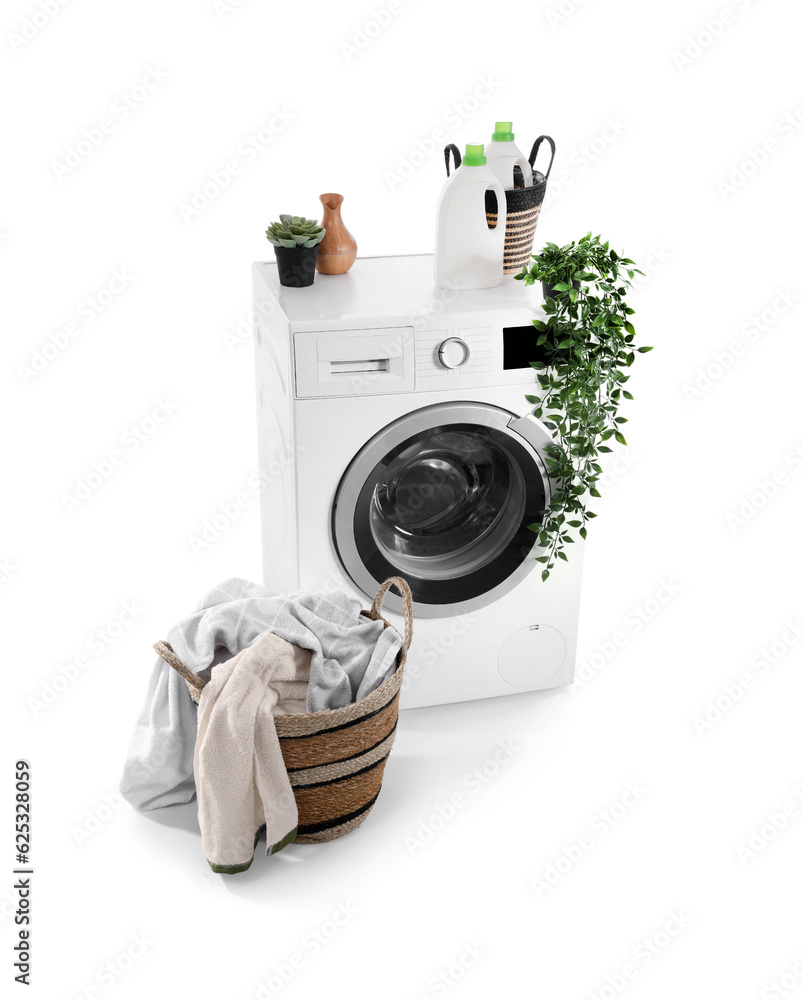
354	362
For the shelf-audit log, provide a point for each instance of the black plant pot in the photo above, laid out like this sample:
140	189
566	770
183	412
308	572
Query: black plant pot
296	266
548	289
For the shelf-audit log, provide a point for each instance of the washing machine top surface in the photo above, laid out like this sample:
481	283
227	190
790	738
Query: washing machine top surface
398	288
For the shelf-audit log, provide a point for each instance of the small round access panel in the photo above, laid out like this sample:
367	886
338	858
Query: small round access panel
531	657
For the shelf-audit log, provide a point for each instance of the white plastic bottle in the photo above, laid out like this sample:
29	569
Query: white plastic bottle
503	155
467	253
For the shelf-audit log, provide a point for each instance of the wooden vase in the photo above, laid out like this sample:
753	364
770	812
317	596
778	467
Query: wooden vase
338	246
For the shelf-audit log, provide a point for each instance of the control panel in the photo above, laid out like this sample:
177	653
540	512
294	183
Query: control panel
383	359
459	351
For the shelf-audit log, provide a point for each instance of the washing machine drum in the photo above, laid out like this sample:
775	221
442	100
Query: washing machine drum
443	497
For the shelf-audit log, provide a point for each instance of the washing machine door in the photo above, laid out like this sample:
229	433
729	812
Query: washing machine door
443	497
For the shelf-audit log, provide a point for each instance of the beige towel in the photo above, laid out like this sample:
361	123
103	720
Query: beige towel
241	779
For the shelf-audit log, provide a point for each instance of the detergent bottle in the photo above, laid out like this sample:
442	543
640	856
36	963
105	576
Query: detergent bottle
467	252
503	156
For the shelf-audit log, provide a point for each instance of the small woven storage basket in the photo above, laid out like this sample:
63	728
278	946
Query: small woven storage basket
523	208
335	759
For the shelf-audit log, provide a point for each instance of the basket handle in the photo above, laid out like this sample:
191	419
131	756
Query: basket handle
451	148
165	651
536	147
402	587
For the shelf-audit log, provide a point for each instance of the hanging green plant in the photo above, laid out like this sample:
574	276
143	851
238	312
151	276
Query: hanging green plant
587	346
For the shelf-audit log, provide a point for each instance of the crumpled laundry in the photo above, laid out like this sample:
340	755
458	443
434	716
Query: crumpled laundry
351	656
241	779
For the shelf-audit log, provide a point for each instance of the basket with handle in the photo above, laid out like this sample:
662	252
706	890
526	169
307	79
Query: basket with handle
523	207
335	758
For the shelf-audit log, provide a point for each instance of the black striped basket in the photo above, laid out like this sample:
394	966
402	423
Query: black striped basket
523	208
335	759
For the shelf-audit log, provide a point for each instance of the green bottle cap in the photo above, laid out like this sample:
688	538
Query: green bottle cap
504	132
474	155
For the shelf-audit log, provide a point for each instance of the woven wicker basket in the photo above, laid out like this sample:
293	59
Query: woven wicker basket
523	208
335	758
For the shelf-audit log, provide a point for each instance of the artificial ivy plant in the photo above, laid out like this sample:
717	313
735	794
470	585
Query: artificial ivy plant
587	343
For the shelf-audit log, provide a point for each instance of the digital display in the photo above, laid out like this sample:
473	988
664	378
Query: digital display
520	346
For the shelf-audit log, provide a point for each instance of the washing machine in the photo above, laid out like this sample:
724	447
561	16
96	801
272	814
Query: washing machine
395	438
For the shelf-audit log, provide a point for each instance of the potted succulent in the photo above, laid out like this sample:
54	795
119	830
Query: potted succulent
296	242
588	344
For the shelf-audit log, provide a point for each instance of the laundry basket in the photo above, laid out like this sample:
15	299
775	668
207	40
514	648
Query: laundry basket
522	208
335	759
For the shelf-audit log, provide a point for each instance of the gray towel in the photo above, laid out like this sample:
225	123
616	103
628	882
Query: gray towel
351	656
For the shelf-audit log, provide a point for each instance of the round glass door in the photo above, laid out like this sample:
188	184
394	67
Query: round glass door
443	497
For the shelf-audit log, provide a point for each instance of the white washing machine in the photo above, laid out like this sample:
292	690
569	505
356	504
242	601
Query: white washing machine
395	439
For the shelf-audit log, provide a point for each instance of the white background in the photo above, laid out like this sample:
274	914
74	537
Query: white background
652	109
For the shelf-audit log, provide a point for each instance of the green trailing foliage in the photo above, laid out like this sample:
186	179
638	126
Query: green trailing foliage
293	231
588	342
